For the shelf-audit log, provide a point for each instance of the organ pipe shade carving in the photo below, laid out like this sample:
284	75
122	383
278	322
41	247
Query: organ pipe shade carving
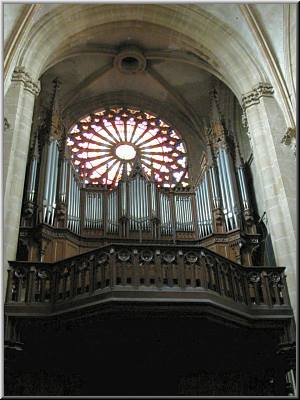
49	194
106	144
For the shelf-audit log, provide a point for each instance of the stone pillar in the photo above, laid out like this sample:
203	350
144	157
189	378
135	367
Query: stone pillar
18	111
276	168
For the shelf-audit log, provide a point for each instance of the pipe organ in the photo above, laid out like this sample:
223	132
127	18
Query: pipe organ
75	215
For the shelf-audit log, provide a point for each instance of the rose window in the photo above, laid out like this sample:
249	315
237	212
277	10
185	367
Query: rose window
109	143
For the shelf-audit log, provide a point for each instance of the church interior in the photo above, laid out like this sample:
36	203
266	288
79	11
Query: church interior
149	228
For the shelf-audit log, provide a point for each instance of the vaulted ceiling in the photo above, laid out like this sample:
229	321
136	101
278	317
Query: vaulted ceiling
172	54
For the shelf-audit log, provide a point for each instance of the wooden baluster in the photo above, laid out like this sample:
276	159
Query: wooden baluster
266	289
275	282
170	274
232	284
256	292
135	264
146	270
42	290
64	285
285	293
73	287
54	286
92	269
203	273
30	285
216	277
158	269
181	269
246	291
9	287
222	280
112	267
193	275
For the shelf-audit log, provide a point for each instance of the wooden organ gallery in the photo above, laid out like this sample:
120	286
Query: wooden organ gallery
115	232
76	205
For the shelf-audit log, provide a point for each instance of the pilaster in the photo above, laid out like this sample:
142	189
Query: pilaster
276	168
19	104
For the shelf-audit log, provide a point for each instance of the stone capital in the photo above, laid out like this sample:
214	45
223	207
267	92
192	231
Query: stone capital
289	139
20	75
263	89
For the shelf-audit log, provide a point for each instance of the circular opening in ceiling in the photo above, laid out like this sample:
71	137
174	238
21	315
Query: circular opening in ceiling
125	152
130	63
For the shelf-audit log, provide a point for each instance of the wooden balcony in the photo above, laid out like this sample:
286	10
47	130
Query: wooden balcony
157	274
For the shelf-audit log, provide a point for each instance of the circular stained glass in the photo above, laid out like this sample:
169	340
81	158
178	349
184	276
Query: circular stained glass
108	143
125	152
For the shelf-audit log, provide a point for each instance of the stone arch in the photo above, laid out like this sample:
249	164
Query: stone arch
184	22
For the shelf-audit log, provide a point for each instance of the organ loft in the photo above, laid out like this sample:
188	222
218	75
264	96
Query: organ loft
141	252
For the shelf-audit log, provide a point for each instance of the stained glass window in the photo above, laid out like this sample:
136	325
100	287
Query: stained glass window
106	144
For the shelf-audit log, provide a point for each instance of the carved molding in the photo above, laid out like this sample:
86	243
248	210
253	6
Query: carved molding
263	89
289	139
20	75
6	124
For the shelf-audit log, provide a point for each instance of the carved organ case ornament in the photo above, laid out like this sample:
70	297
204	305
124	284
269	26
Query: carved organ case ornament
122	173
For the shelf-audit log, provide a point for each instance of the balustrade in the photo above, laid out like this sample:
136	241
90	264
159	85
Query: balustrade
145	267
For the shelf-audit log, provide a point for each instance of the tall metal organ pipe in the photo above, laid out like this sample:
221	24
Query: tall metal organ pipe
230	177
243	187
63	181
112	221
153	199
47	179
139	204
208	202
215	191
32	179
203	207
223	193
53	198
49	194
165	210
73	203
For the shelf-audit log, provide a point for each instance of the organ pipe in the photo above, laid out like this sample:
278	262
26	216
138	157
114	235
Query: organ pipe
166	226
49	194
63	181
32	179
153	199
138	206
223	194
73	203
112	212
228	186
244	191
208	202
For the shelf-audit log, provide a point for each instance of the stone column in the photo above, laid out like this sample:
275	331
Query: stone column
18	111
276	170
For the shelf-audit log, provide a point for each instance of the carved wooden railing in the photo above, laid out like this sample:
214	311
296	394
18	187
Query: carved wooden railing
146	268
